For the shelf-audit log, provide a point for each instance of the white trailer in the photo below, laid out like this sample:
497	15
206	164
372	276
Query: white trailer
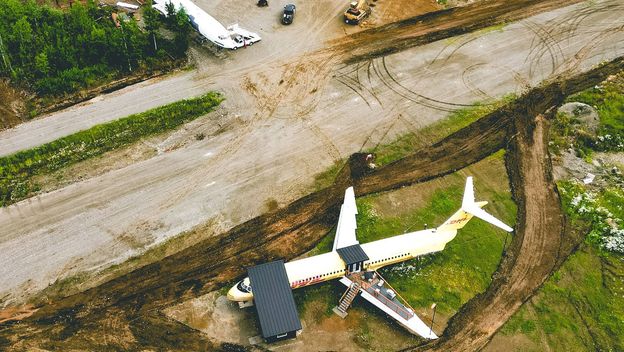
232	37
127	6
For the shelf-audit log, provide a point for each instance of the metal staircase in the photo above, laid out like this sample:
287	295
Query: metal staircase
347	299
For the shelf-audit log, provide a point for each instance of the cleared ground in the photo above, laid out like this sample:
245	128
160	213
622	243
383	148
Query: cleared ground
229	177
124	313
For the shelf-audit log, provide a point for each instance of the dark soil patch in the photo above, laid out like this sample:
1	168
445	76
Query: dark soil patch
12	106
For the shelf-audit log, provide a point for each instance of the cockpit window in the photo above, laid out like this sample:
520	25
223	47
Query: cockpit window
242	287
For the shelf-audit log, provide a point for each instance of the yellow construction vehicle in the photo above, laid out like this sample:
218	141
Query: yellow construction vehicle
357	11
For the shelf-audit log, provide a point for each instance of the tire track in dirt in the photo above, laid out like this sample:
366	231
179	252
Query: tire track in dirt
572	63
546	44
435	60
465	77
417	31
418	98
550	36
468	82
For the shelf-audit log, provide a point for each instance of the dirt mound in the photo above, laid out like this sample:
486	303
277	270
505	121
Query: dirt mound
12	107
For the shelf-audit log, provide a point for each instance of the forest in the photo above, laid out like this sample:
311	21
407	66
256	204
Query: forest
52	52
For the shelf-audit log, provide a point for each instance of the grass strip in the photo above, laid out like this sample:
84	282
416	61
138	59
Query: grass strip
579	307
17	170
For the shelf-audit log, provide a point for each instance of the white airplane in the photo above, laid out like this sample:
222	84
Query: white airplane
232	37
361	276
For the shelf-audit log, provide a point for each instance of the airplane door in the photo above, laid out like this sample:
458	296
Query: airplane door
355	267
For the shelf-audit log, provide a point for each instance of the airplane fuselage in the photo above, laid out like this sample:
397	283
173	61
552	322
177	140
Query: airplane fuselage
349	255
329	266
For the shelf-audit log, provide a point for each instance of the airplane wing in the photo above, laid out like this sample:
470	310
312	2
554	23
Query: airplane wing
377	292
345	231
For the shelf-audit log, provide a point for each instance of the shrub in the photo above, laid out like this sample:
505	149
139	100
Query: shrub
603	210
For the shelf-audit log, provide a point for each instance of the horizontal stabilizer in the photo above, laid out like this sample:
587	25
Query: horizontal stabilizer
485	216
469	209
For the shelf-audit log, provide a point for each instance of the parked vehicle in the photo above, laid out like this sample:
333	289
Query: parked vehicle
357	11
289	14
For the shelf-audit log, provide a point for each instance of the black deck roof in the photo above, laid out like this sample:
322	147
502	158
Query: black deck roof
273	299
352	254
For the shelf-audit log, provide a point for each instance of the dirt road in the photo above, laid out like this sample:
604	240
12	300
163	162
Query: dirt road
536	245
269	112
317	21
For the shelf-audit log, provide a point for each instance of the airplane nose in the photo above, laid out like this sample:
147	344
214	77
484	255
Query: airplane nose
231	295
234	294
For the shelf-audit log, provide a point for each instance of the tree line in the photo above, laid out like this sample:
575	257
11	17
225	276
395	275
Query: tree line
54	51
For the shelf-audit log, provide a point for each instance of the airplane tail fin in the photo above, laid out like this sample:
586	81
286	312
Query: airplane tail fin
469	209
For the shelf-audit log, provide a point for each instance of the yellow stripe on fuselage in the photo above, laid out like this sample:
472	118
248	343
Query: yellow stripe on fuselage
329	266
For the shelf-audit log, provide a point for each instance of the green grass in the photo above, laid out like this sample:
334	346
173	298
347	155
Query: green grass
608	100
581	307
602	209
408	143
17	170
326	178
495	28
325	245
317	301
464	268
562	132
